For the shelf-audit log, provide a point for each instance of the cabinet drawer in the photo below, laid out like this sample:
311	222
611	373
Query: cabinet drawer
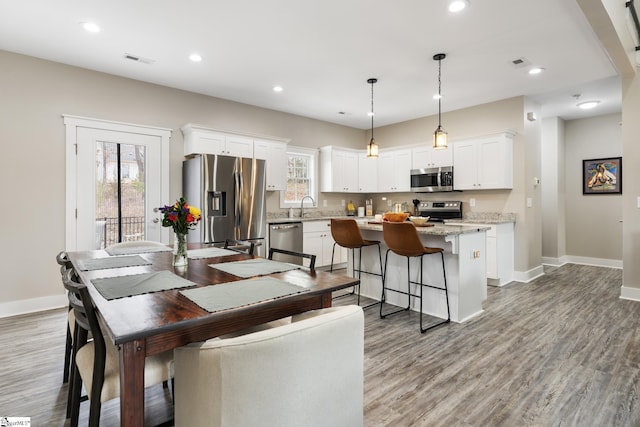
312	226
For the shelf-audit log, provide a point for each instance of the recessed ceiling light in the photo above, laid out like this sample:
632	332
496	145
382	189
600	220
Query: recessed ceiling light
437	96
195	57
92	27
458	5
587	105
278	88
536	70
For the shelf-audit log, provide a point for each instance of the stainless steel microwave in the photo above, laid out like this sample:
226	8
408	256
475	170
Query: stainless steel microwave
432	180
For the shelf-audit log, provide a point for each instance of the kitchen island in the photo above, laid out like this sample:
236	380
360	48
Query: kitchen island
465	259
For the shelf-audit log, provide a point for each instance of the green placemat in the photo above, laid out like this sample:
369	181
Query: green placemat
112	262
254	267
243	292
138	284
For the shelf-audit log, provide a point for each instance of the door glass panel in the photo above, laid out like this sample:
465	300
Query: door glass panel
120	193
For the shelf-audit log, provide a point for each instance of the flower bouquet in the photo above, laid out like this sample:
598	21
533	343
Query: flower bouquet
182	218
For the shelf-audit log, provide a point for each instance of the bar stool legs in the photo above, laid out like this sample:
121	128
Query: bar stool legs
360	271
420	295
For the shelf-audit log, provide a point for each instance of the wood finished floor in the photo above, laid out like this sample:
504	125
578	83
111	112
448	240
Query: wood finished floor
563	350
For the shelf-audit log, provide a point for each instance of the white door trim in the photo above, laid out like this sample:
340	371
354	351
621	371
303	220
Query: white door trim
72	123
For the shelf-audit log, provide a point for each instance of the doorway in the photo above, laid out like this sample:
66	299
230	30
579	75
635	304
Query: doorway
117	177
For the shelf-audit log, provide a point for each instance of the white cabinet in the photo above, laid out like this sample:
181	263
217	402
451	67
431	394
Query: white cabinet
339	170
367	173
394	170
317	240
428	157
484	163
200	140
275	155
500	263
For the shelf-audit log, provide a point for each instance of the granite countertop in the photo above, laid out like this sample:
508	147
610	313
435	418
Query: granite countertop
436	230
284	220
484	218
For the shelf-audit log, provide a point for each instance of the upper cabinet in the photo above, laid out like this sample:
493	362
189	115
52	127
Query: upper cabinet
428	157
484	163
275	154
339	170
394	170
367	173
200	140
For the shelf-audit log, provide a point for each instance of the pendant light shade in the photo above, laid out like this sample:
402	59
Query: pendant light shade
372	148
439	136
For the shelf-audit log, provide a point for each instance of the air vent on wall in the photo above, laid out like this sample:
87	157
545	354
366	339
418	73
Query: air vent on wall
138	58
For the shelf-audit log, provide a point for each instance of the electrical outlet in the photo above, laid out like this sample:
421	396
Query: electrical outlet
389	203
324	203
472	203
529	202
342	203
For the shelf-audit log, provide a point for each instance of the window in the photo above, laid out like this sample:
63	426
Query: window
302	177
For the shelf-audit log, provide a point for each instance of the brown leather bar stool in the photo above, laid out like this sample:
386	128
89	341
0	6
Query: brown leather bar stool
402	239
346	233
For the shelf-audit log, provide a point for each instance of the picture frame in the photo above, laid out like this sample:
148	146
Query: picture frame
602	176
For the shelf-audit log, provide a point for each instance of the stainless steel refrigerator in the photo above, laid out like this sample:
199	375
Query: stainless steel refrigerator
230	191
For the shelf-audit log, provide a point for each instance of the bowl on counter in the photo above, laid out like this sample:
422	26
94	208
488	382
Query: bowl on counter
419	220
395	216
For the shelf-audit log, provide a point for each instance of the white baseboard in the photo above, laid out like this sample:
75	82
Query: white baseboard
32	305
555	262
597	262
528	276
632	294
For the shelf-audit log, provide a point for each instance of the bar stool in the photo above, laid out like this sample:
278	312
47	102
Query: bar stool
402	239
345	233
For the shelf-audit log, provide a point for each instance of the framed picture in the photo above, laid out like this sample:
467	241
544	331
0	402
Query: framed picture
602	176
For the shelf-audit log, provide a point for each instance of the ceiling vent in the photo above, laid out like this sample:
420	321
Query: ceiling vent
137	58
520	62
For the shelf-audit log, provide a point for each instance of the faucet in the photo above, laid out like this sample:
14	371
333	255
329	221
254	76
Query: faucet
313	202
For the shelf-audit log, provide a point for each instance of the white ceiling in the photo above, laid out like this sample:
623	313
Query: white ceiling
323	52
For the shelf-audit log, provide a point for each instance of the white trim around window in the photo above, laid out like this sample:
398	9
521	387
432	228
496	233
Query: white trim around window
312	154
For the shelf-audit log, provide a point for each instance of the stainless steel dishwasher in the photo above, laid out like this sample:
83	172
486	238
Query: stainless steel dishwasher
286	236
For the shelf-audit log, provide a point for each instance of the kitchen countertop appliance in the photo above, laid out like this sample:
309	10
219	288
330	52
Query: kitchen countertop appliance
230	192
440	211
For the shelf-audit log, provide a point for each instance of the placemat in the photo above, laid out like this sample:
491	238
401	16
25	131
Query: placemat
138	284
243	292
209	253
112	262
254	267
128	250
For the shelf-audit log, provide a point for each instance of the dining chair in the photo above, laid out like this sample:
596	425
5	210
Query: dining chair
240	246
345	233
306	373
402	239
310	257
64	263
97	363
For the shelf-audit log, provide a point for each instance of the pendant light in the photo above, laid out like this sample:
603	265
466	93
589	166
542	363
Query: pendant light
372	148
439	136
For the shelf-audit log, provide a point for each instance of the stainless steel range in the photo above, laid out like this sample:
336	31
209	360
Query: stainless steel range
439	211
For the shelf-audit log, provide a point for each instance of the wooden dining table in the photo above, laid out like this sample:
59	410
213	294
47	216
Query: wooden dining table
148	324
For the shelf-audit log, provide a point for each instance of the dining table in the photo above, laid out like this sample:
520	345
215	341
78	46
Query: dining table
153	322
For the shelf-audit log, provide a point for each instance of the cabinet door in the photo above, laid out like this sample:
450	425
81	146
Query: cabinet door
464	166
275	155
421	157
312	244
204	143
239	146
348	170
367	173
402	170
441	157
386	172
495	164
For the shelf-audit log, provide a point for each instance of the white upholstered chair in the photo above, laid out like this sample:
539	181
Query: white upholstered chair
305	373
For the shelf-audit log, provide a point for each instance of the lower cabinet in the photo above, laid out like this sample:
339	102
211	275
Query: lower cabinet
317	240
500	263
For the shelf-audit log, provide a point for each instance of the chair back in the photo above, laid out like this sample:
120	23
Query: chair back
346	233
302	255
86	318
402	238
306	373
240	246
63	260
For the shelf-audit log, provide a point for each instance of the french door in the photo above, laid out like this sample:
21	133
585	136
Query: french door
117	176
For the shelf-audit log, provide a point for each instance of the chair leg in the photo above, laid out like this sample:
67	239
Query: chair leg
382	299
446	294
67	356
333	250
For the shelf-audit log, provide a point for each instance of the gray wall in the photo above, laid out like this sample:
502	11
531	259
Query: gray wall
593	221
